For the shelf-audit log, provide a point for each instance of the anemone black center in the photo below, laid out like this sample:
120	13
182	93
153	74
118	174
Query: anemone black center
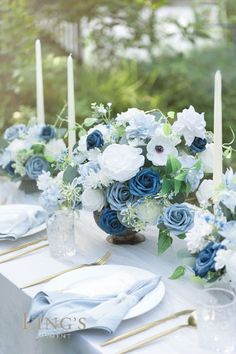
159	148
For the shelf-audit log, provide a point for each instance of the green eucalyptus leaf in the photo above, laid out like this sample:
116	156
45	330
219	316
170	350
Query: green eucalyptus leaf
164	241
167	186
88	122
70	174
178	273
182	236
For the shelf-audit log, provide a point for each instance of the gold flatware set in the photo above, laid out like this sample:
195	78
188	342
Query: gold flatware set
191	322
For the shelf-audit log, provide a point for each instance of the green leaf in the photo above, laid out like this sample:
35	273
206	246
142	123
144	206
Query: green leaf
177	186
181	176
88	122
82	132
182	236
70	174
178	273
167	186
198	165
164	241
38	148
171	114
173	165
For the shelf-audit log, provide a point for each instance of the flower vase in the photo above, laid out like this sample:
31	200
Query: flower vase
28	186
62	230
128	237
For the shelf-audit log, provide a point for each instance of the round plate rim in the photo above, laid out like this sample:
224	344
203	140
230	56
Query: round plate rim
133	312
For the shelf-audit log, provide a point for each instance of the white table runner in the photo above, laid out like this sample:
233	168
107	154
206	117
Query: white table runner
180	294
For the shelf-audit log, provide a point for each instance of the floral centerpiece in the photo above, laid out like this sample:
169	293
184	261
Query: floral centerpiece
131	166
30	150
211	239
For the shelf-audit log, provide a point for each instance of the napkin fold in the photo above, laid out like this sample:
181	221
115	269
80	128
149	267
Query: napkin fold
67	312
17	220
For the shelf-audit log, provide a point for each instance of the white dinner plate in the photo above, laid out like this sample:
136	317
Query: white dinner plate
108	279
35	230
32	231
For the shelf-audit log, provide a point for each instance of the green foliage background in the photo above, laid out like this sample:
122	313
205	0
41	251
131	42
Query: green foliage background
169	80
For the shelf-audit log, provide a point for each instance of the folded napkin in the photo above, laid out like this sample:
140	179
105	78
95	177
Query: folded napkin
67	312
17	220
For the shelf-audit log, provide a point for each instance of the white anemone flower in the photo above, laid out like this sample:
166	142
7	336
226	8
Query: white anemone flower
159	148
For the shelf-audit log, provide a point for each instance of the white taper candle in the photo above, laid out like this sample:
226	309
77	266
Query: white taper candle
218	158
39	83
71	105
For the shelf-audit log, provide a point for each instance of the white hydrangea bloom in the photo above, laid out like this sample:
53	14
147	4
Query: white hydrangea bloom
206	158
54	148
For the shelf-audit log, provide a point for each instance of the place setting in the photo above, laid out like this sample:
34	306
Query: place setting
117	208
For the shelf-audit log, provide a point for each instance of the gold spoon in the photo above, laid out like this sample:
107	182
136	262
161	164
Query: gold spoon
192	322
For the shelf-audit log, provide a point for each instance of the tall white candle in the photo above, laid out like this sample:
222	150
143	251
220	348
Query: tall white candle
71	105
218	158
39	83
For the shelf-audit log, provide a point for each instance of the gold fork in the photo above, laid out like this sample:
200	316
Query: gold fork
100	261
20	247
11	258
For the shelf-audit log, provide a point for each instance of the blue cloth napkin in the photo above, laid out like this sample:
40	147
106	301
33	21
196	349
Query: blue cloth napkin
17	220
64	313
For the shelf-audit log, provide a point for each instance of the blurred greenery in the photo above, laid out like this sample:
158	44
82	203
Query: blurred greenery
170	80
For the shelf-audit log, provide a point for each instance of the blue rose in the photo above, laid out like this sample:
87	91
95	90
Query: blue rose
178	218
198	145
108	221
48	132
10	169
14	132
35	165
145	183
95	140
118	196
205	260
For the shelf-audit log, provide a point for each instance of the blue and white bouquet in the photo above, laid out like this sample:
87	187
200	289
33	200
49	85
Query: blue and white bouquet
30	150
211	240
130	167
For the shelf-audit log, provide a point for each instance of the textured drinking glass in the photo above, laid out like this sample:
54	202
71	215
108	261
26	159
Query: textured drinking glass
62	229
216	320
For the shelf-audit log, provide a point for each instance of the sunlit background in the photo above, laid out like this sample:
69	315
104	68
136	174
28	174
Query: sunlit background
138	53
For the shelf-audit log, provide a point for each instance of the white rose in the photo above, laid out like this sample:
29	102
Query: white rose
231	266
54	148
121	162
207	158
15	146
205	192
190	124
92	199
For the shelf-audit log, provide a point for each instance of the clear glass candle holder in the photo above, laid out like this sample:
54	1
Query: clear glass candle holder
216	320
62	230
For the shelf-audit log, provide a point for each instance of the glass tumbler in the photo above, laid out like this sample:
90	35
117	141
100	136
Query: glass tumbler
216	320
62	230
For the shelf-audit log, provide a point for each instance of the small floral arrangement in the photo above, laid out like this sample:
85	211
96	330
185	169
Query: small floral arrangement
211	239
131	167
31	150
